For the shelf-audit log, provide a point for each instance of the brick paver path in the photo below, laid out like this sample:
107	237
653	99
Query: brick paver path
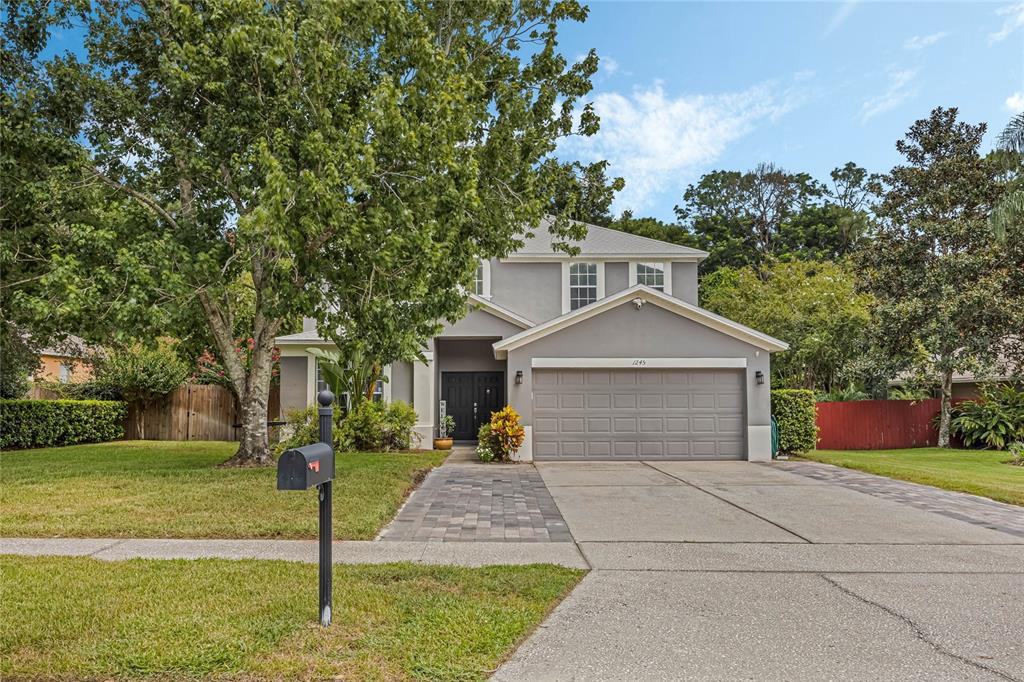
980	511
480	502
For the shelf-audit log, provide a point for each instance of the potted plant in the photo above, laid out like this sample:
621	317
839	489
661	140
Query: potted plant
444	430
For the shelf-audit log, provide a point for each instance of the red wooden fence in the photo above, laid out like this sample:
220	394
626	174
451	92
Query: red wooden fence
877	424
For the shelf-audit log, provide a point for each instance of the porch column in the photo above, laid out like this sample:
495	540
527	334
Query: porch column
423	399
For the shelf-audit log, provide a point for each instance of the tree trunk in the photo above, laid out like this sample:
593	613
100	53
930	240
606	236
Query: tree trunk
252	384
947	398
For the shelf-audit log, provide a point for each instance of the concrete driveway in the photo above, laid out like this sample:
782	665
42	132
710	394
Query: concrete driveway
739	571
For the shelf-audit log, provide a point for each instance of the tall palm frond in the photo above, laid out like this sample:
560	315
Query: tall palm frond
1010	210
1012	137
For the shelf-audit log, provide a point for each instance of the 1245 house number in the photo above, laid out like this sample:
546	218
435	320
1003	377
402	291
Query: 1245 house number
639	363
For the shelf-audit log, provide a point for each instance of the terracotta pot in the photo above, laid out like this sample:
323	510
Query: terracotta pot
443	443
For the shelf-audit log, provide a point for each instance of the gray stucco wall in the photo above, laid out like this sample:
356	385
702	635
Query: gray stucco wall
684	281
534	290
293	384
650	331
616	277
401	381
480	323
465	356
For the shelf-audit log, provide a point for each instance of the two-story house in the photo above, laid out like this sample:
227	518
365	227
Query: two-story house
605	355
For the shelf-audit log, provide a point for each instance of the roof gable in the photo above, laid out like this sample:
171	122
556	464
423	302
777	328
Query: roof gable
647	295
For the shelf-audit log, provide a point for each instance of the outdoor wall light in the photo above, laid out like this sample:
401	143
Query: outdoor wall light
759	376
519	376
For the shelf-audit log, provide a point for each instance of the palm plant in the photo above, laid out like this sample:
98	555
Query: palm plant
1011	209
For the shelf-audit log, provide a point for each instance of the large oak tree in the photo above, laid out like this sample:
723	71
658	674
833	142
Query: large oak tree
346	159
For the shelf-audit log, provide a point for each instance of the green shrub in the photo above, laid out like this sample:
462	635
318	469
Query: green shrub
49	423
488	446
1017	452
993	421
304	429
795	412
371	427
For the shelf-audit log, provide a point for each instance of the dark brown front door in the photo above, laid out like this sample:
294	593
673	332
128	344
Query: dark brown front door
470	397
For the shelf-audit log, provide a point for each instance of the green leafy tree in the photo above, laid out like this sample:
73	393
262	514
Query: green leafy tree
768	214
815	307
19	359
353	160
141	375
586	193
948	292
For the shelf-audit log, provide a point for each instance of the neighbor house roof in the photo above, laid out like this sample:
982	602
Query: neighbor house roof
71	347
639	291
603	242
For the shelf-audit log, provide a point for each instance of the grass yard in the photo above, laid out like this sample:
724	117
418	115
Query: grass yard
79	618
981	472
149	489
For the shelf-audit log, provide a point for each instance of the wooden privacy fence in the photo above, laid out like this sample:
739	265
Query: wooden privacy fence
877	424
192	412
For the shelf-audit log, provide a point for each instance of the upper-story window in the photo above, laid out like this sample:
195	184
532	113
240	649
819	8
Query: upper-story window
482	279
651	274
582	284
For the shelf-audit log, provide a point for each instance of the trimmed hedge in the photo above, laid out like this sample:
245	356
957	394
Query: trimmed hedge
795	412
48	423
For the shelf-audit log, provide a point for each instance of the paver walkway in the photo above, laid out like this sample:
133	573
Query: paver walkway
460	502
981	511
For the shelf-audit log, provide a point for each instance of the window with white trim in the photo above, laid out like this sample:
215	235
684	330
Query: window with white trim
651	275
478	279
582	284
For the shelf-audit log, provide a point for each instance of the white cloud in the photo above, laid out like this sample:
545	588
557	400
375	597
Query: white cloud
609	66
1014	19
899	90
840	16
656	141
1015	102
921	42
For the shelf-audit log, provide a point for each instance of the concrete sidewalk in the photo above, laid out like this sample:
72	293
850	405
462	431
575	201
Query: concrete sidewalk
347	552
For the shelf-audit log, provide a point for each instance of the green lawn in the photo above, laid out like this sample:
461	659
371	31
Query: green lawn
981	472
79	618
175	490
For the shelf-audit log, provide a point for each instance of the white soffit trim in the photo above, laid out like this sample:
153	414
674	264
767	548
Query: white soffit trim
674	305
499	312
639	363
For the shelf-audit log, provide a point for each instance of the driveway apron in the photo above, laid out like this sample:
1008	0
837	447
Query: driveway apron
742	571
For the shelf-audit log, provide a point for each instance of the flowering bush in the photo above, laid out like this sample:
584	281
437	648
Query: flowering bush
209	370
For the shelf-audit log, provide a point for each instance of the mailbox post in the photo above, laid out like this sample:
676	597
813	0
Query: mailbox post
313	466
325	398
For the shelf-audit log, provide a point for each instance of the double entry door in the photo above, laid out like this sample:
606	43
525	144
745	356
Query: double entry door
470	398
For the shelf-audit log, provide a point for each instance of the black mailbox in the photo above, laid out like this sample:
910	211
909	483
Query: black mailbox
305	467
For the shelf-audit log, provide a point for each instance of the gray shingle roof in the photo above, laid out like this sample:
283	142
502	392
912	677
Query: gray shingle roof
310	336
603	241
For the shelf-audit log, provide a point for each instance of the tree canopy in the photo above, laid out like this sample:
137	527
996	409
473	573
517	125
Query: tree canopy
348	159
948	291
815	307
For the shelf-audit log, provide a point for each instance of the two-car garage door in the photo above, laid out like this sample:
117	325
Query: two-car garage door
638	414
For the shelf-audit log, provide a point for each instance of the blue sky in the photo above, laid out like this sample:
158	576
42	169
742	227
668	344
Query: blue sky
687	87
